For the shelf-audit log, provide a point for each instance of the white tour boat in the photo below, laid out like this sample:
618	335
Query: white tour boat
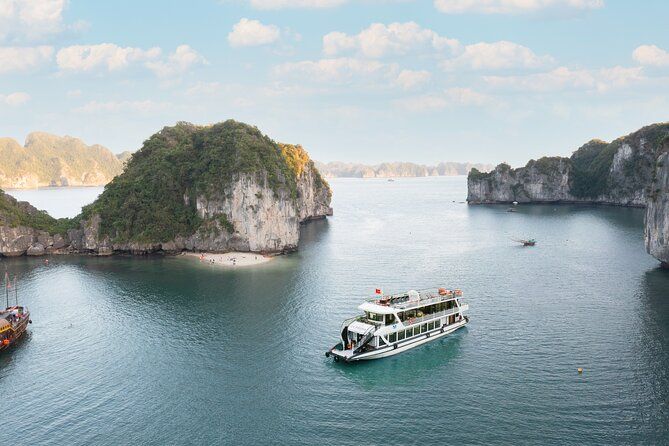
399	322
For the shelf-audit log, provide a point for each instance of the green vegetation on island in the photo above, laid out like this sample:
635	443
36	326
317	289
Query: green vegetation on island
154	200
14	213
590	167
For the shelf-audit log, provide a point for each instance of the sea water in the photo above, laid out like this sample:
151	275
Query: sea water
162	350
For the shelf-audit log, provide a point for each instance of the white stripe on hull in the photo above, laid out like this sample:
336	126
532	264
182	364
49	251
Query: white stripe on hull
390	351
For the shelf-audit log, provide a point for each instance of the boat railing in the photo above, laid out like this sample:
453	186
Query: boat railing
430	317
424	302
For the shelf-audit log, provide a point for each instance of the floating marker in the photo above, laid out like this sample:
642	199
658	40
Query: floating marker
580	371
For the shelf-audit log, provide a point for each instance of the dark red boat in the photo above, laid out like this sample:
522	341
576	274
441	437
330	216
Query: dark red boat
13	323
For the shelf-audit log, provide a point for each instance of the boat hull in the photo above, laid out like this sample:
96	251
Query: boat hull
403	346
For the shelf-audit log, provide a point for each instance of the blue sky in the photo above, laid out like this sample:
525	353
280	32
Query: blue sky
351	80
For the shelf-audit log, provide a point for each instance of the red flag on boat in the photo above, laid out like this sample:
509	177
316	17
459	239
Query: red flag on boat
378	291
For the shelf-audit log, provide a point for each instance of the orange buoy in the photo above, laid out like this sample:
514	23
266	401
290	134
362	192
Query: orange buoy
5	342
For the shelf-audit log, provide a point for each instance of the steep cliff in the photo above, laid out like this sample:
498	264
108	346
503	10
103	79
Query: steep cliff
215	188
598	172
657	213
50	160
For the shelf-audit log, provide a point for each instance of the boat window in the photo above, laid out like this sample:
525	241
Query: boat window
423	328
392	337
381	342
437	323
390	319
430	326
411	313
374	316
400	335
401	315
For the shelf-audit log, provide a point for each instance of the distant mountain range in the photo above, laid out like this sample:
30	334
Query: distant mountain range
50	160
337	169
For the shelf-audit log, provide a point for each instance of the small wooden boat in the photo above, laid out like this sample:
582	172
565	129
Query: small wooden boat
13	323
14	319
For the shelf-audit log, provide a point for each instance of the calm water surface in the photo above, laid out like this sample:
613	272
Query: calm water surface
169	351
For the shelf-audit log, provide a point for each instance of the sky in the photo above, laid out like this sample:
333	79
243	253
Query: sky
351	80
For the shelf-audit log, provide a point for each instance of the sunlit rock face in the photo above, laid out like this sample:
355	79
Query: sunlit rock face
51	160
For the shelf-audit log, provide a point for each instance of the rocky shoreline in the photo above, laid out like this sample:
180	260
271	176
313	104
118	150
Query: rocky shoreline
631	171
222	188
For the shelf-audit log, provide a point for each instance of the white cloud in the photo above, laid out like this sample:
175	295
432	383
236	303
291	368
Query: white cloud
23	58
178	62
204	89
563	78
496	55
284	4
146	106
409	79
513	6
102	56
339	70
379	40
252	33
651	55
451	97
14	99
111	57
29	19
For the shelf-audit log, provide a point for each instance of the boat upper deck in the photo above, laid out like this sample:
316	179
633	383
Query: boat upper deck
409	300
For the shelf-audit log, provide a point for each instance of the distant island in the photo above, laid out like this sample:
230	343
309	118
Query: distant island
218	188
633	170
49	160
337	169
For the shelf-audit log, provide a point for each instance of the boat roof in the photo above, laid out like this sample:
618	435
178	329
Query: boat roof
360	327
406	301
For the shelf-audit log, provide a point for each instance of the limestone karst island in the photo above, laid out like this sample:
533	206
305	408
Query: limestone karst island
217	188
334	222
632	170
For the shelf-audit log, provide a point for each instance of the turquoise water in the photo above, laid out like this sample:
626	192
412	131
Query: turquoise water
170	351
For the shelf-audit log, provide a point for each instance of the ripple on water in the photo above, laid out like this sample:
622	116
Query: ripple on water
164	351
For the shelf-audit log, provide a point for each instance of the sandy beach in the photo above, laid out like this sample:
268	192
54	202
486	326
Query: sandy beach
230	259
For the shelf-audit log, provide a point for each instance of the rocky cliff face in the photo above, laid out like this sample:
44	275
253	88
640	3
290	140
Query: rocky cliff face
608	173
657	213
216	189
50	160
630	171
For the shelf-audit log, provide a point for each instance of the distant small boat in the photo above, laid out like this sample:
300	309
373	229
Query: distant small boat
390	180
511	210
528	242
